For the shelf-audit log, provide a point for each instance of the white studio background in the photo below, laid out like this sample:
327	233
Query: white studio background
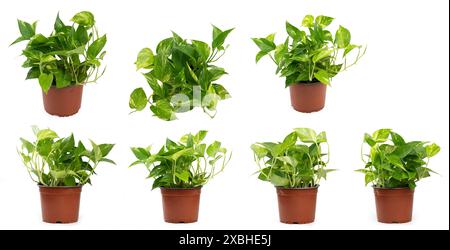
401	83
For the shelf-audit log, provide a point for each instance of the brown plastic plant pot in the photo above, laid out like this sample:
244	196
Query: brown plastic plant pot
60	204
181	205
308	97
63	102
394	205
297	205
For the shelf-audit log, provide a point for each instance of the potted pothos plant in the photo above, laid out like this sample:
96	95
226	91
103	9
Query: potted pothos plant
309	58
182	76
393	166
61	166
295	167
180	170
63	62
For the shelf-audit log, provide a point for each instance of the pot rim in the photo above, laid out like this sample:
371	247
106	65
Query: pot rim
61	187
68	87
398	188
194	188
307	83
298	188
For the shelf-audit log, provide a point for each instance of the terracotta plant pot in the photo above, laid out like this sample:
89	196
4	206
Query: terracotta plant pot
63	102
308	97
297	205
394	205
60	204
181	205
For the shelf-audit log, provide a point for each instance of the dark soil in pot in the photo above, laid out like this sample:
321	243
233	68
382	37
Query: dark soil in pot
297	205
64	101
60	204
181	205
308	97
394	205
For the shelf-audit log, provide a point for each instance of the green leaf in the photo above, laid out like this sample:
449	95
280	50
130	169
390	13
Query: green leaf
153	83
264	44
96	47
27	145
301	58
216	32
216	72
369	140
259	151
81	35
138	99
176	37
18	40
141	154
280	53
183	152
221	91
306	135
323	77
349	48
108	161
84	18
170	145
213	149
26	30
70	181
342	37
200	150
381	135
186	50
432	150
97	152
274	149
183	176
396	161
187	140
290	140
163	110
63	79
260	55
44	147
102	55
279	181
45	80
105	149
324	21
321	55
203	50
200	136
192	73
403	150
38	39
59	25
33	73
78	50
220	39
58	174
47	59
271	37
165	46
288	160
293	31
322	137
397	139
308	21
370	177
211	100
